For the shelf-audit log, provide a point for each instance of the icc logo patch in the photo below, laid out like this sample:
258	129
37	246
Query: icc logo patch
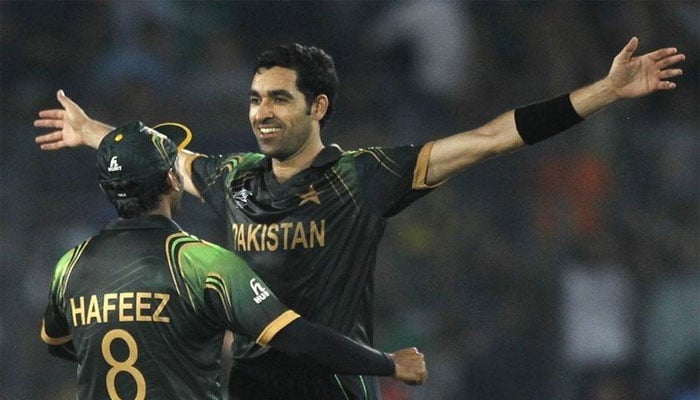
241	197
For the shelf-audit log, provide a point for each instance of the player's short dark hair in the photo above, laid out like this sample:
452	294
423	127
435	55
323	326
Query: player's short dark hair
315	70
146	200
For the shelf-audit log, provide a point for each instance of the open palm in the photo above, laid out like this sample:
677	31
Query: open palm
70	126
639	76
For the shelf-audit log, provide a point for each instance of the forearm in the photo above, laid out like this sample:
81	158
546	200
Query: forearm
592	98
331	350
514	129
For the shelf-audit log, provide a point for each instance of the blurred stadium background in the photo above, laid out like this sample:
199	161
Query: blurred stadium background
566	271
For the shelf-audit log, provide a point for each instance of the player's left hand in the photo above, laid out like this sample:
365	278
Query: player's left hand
638	76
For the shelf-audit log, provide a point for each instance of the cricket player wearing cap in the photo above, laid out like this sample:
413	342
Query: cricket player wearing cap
142	307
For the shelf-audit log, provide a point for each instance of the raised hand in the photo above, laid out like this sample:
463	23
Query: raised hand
72	127
638	76
410	366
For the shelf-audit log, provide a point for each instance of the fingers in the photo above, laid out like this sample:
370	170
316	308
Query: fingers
53	146
65	101
664	59
410	366
626	53
54	113
50	141
48	123
669	58
61	96
665	85
50	119
49	138
670	73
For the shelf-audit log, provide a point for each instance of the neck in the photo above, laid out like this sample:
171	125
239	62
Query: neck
285	169
163	209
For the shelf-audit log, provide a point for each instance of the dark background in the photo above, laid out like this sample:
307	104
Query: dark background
569	270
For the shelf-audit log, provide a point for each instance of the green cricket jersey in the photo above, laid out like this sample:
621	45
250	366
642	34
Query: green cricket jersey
313	239
145	306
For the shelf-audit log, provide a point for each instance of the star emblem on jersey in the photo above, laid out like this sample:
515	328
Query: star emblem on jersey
310	196
241	197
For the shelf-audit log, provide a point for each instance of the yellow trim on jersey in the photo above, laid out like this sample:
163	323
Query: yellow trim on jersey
169	258
420	173
77	252
275	326
51	340
216	283
345	186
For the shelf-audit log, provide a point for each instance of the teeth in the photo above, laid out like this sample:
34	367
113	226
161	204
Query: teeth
269	130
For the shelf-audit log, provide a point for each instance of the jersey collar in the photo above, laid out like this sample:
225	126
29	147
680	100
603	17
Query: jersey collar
327	155
143	222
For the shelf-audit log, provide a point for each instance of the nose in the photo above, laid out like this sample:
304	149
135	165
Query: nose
262	111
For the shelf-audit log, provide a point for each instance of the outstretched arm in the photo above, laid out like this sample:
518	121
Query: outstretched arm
340	354
72	127
629	77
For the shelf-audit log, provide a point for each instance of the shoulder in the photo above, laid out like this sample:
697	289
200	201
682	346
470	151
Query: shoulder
385	158
382	152
184	247
233	160
72	255
65	264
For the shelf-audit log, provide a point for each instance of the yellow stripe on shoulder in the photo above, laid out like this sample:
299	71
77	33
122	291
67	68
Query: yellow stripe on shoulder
51	340
420	172
275	326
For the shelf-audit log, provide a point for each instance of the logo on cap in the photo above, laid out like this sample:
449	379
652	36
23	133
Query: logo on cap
114	165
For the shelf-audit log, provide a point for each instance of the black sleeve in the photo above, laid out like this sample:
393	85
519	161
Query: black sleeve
332	351
65	351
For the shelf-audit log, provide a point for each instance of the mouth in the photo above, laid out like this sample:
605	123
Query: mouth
268	132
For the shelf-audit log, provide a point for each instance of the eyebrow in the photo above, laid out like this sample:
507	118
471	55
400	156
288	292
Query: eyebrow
274	93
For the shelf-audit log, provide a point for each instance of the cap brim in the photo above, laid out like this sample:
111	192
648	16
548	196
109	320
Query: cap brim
178	133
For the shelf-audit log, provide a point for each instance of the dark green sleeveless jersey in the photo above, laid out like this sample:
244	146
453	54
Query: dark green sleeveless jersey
146	306
313	238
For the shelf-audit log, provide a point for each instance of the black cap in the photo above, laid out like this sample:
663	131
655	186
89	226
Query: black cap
139	155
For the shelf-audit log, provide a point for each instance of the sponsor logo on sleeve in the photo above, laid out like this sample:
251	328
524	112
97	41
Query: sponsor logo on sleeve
259	290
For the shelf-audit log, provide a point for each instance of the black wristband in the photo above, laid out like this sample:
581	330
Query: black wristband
539	121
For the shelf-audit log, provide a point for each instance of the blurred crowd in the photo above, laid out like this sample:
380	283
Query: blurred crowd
570	270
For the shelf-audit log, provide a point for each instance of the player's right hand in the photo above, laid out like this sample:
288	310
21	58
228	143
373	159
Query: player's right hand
409	366
72	127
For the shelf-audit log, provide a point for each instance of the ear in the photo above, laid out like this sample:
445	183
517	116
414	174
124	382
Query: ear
319	107
173	180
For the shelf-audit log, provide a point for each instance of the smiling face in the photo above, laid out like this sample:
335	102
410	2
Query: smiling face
284	124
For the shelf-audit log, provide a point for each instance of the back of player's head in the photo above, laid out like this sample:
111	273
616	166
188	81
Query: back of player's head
315	70
132	164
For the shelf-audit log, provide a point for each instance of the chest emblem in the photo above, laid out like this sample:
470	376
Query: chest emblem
310	196
241	197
